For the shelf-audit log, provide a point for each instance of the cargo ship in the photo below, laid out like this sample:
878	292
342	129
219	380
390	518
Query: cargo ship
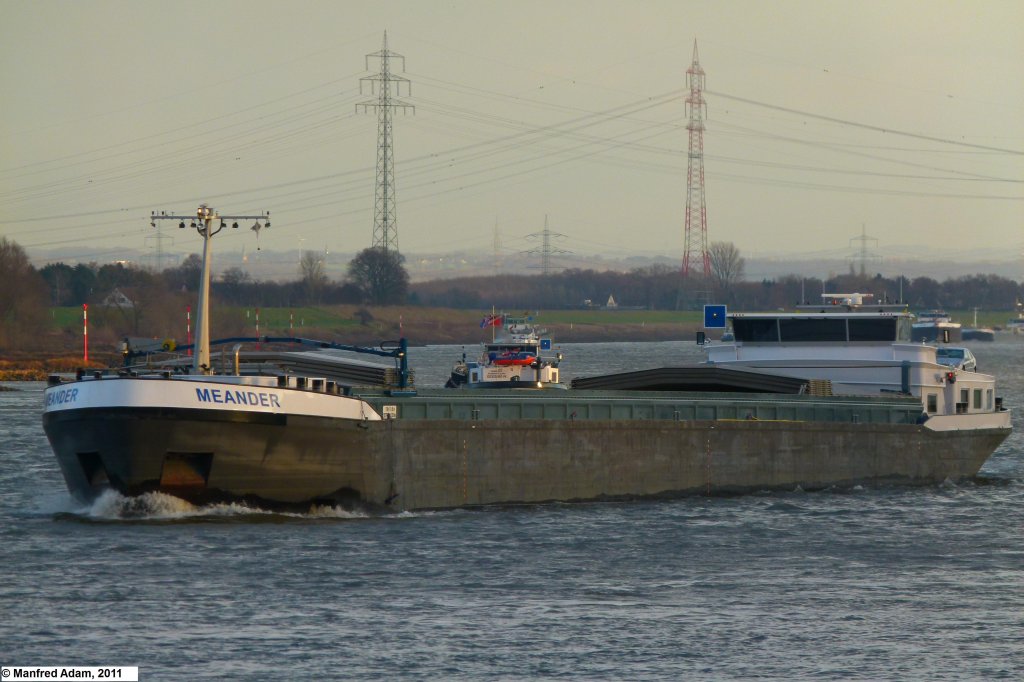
936	326
809	399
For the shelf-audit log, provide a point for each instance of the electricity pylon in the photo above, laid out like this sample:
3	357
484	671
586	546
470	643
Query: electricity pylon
385	231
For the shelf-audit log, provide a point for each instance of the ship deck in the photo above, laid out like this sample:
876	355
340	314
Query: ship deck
482	404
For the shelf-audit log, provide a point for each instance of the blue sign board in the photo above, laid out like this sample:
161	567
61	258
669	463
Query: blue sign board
545	344
714	317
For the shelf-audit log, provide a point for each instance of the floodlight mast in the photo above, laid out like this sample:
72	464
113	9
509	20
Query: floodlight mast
203	223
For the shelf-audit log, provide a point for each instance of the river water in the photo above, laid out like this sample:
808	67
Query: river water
867	583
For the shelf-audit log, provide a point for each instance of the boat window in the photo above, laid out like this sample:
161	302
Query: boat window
933	403
988	400
977	398
807	329
963	395
873	329
749	329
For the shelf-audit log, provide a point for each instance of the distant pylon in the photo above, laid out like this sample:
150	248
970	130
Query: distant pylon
696	261
159	257
546	250
497	248
385	231
864	256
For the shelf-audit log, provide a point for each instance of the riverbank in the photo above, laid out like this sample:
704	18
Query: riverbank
361	327
60	350
37	366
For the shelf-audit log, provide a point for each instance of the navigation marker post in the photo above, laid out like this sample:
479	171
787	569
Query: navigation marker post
85	333
202	222
714	318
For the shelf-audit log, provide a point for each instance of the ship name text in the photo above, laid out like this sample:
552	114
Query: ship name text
229	396
64	395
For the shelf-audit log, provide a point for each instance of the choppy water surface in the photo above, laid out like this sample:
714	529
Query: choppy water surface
869	583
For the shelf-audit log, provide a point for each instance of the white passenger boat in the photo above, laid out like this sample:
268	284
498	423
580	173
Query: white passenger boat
860	351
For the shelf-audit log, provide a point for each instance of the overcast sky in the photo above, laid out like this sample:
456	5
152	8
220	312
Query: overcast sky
901	118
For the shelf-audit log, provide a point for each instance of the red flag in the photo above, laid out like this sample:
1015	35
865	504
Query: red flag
491	321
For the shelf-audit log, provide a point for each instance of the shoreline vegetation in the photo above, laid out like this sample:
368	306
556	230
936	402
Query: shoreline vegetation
61	351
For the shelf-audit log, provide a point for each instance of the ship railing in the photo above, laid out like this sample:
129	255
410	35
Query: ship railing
401	377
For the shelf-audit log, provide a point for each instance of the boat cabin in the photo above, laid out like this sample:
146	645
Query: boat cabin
857	350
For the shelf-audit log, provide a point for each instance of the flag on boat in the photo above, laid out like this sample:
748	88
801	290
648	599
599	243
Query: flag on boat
491	321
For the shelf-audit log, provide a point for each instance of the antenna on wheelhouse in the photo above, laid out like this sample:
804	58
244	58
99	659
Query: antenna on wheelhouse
203	222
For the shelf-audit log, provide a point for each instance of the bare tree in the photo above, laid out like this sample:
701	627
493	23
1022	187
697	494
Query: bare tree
726	265
311	267
23	298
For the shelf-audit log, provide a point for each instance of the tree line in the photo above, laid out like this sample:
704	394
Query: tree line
378	277
125	299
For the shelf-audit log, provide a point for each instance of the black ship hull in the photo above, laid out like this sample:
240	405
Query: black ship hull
433	457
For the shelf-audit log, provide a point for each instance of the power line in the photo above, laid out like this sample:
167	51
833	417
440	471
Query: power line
866	126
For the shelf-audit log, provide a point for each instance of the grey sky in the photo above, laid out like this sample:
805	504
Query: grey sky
524	108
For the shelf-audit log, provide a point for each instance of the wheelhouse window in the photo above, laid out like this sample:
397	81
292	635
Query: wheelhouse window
821	329
977	398
755	330
810	329
873	329
933	403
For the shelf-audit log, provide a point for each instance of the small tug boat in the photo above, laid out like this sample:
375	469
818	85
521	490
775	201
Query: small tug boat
513	359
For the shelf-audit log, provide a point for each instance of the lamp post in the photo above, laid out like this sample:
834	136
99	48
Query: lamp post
203	222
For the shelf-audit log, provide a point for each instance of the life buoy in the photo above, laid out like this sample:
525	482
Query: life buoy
513	362
511	358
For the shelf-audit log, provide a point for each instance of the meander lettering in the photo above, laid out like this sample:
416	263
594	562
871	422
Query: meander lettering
228	396
64	395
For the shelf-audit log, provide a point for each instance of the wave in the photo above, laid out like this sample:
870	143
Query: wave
156	506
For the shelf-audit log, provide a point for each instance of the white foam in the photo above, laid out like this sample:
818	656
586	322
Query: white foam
327	512
113	505
157	506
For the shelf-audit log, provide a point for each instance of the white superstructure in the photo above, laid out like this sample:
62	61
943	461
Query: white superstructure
861	353
512	360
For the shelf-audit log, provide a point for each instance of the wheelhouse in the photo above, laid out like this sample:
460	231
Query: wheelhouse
821	328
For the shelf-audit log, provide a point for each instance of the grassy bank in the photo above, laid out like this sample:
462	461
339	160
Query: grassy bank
359	324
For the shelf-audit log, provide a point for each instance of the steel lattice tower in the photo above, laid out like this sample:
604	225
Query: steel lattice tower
385	231
546	250
695	250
